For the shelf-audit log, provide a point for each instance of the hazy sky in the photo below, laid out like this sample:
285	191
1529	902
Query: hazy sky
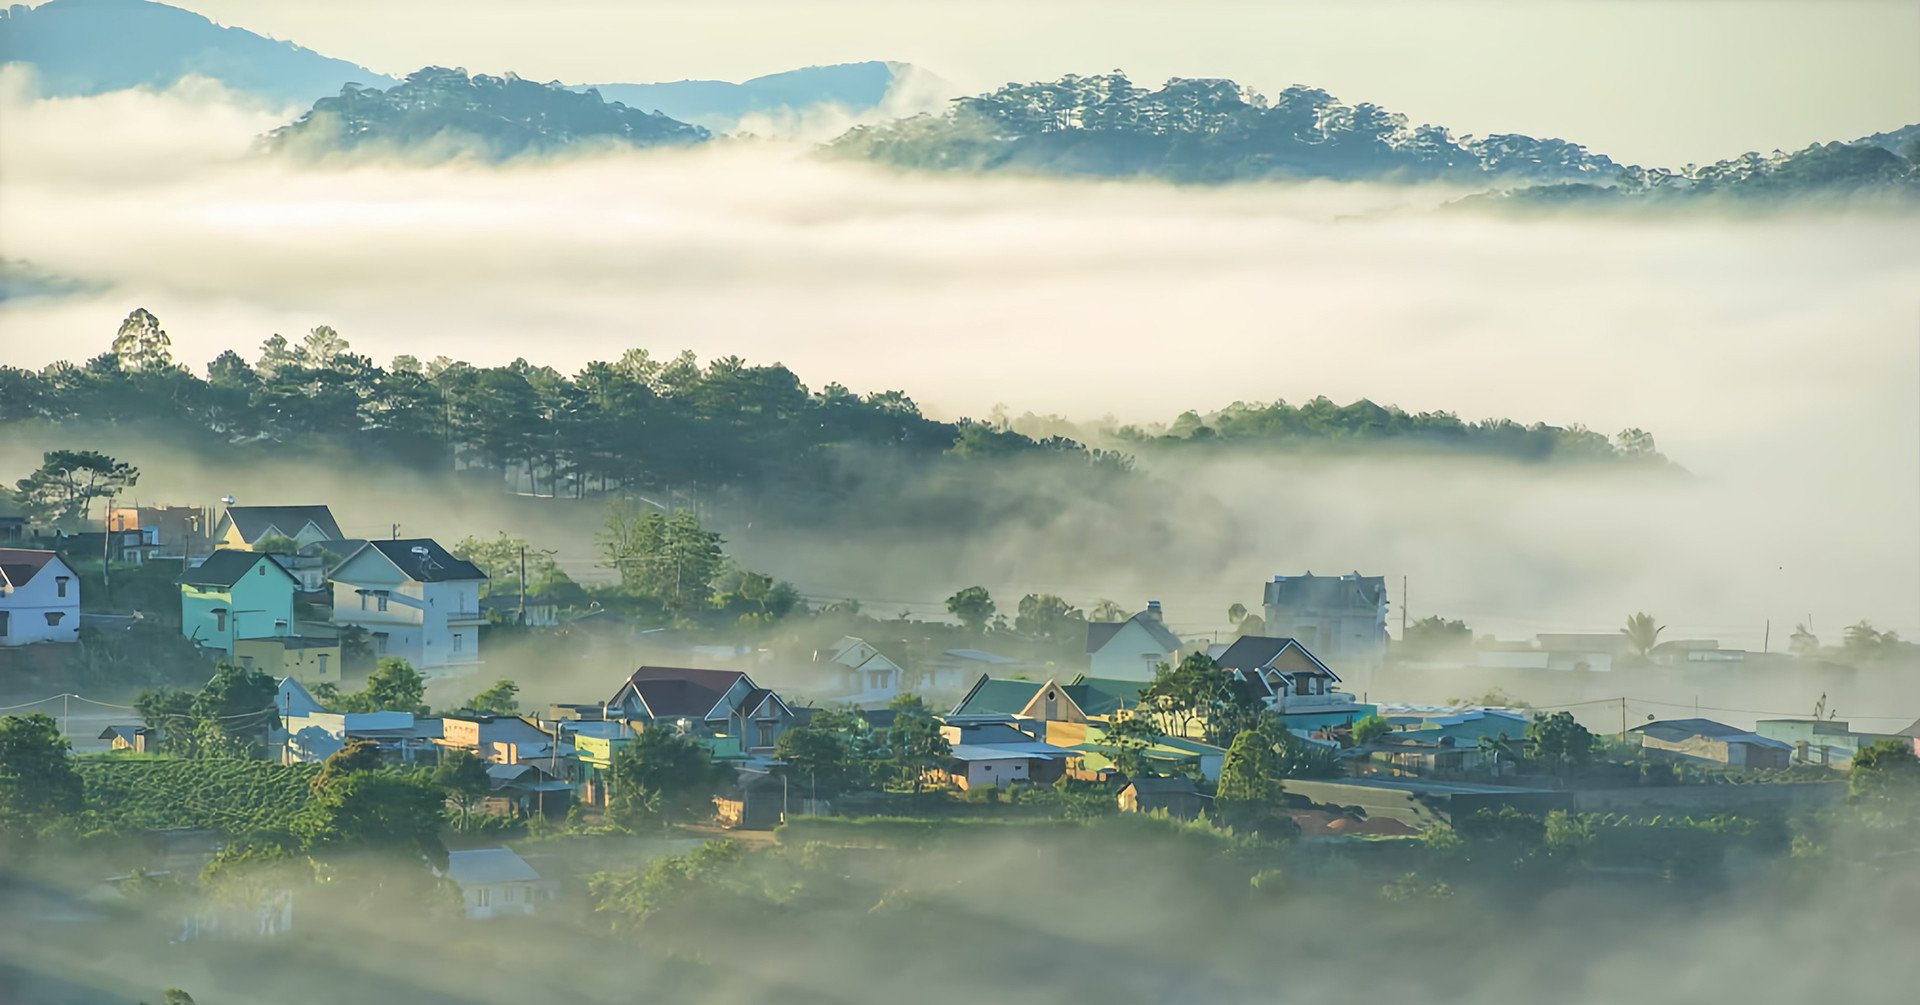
1653	81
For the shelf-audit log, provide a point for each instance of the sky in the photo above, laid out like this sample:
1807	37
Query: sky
1648	81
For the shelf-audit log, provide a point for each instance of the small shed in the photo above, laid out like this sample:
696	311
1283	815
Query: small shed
138	739
1176	796
496	882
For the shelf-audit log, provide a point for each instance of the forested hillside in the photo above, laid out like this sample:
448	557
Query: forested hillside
491	116
1863	169
1204	131
639	422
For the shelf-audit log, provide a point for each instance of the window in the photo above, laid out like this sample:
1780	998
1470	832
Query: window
380	643
219	619
321	658
246	662
5	616
54	617
260	570
60	585
483	897
363	600
457	640
766	730
382	602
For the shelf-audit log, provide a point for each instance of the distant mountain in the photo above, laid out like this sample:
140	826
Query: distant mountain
1862	170
82	47
447	111
720	105
1204	131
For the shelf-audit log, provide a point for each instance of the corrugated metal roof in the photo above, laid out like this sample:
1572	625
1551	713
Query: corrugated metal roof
486	866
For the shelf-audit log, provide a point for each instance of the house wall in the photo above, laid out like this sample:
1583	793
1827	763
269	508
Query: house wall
999	771
431	625
1131	654
1355	635
259	605
500	900
31	606
307	664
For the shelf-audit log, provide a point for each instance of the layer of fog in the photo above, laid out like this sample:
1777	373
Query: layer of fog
1774	357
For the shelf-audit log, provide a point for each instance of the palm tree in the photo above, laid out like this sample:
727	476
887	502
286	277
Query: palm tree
1642	633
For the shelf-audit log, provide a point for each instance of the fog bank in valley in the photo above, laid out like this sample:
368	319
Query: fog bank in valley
1773	356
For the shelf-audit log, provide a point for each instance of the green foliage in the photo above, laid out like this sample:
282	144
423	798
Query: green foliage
1559	741
1048	616
914	744
1129	736
821	758
1371	728
235	797
63	488
276	544
1197	693
38	784
973	606
380	810
1642	633
229	716
354	755
440	109
1885	774
630	899
500	699
662	776
393	686
1435	637
667	558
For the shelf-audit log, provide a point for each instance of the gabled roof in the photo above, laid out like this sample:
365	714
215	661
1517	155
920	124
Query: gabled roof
1160	785
486	866
254	521
126	733
293	698
1251	653
679	692
225	567
994	696
18	566
1913	730
1668	729
1099	633
1103	695
434	565
1311	592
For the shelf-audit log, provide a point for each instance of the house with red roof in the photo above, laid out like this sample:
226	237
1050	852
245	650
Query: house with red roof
39	598
704	703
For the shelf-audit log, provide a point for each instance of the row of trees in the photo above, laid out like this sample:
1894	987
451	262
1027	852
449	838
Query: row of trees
636	422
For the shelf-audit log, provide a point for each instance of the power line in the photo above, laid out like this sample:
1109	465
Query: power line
1709	708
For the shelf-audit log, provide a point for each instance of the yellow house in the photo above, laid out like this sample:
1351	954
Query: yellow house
307	660
241	527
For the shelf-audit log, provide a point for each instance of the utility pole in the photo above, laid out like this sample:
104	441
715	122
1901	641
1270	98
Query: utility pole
1403	608
396	532
523	585
1766	641
66	708
1623	719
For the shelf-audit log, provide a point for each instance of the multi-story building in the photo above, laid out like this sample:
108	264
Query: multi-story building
1343	618
414	599
39	598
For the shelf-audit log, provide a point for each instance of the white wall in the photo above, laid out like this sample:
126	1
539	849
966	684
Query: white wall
29	606
1131	654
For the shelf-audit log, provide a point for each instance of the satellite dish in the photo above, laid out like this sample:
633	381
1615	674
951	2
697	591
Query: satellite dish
418	550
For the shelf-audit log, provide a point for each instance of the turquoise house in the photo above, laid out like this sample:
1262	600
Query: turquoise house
236	595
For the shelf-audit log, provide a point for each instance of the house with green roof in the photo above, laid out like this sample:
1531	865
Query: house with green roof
235	595
1083	699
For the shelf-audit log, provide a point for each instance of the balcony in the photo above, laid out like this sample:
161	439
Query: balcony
1328	702
466	618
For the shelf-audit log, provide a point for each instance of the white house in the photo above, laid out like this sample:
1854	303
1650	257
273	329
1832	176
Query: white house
1343	618
415	600
39	598
495	882
1131	649
860	673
